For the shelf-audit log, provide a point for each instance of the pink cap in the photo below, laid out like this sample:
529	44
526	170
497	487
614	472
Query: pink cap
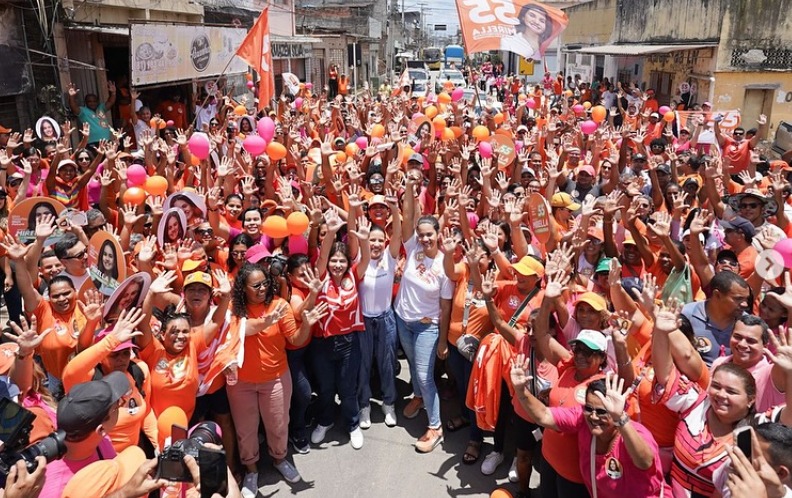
587	168
256	253
124	345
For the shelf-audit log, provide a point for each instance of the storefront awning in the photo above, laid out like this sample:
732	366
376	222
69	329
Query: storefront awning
294	39
638	49
105	30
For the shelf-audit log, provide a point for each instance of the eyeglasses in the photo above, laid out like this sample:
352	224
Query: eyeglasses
83	159
238	254
595	242
749	205
79	255
582	350
14	182
738	134
258	285
601	412
207	232
727	262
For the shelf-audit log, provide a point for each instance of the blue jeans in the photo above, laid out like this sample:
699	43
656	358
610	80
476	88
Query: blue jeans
461	370
419	342
301	393
336	364
378	341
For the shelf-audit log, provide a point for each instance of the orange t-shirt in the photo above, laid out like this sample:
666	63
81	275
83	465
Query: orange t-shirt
747	258
265	352
58	345
478	323
509	298
174	378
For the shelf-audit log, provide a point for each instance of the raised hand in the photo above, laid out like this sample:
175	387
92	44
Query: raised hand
26	336
162	283
315	314
490	237
588	207
613	202
782	343
666	316
662	224
45	227
615	396
556	284
488	286
334	222
130	214
91	306
127	322
223	288
699	223
449	242
520	366
646	297
363	229
14	248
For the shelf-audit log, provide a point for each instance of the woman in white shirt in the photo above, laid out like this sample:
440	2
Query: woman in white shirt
423	310
376	299
534	29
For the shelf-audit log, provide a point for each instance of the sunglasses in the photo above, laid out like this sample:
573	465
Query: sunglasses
204	231
258	285
749	205
3	195
727	262
582	350
601	412
79	255
238	254
15	182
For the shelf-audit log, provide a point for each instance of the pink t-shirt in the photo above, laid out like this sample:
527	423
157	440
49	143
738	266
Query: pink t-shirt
767	395
60	472
546	373
616	475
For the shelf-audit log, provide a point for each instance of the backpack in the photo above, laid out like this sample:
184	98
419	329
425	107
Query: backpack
133	369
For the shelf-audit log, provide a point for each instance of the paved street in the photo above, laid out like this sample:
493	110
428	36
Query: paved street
388	465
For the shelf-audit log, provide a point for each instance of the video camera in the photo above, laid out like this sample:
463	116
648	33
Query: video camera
16	423
211	462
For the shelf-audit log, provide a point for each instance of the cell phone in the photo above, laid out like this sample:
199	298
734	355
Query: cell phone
214	476
743	438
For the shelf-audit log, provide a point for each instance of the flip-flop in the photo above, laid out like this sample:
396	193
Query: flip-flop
456	423
472	453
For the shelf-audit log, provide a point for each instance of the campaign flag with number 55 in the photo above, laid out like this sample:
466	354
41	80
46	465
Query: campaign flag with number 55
525	27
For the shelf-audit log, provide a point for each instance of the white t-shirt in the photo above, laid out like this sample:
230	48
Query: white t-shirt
76	280
204	115
422	286
376	289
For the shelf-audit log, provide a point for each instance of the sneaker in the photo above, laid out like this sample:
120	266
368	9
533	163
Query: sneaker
356	438
250	485
318	434
513	472
413	407
430	439
301	446
491	463
365	417
390	415
288	471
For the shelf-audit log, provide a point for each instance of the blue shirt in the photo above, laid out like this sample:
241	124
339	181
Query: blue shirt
710	341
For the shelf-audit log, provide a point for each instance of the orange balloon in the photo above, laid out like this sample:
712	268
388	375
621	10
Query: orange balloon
480	132
352	149
444	98
587	105
156	185
430	111
458	132
421	101
378	131
498	118
599	114
504	132
568	93
521	97
297	223
162	124
669	116
240	110
408	151
134	195
448	134
340	157
276	151
500	493
275	227
439	123
173	415
194	160
153	122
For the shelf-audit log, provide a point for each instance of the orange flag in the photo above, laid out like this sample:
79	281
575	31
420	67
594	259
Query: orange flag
255	50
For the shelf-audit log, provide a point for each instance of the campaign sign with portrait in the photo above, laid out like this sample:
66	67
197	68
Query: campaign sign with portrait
172	227
128	295
525	27
23	218
421	127
106	263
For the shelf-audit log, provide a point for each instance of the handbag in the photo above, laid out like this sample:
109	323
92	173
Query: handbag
678	285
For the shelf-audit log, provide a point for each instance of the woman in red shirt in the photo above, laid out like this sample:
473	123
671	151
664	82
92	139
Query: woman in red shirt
335	348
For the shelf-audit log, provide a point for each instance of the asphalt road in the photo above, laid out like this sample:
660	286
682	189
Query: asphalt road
388	465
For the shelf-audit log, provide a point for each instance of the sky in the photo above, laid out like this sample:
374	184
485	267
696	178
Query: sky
436	12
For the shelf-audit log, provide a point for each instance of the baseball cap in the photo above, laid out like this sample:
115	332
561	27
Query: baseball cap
752	192
564	200
3	129
629	240
597	233
8	353
105	476
191	264
67	162
603	265
727	254
416	157
708	104
124	345
587	168
741	224
594	300
522	128
377	199
654	115
529	171
638	157
198	277
595	341
664	168
528	266
256	253
84	408
269	205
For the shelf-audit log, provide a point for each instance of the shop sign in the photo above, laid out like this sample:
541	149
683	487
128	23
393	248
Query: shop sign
163	53
288	50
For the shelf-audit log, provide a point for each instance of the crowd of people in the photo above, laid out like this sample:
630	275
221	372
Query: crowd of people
592	293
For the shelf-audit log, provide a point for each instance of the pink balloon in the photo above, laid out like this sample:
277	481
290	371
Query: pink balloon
309	85
457	94
664	109
298	244
136	175
531	103
250	84
298	102
518	145
254	144
784	247
417	115
169	123
578	109
588	127
362	143
199	145
485	149
266	128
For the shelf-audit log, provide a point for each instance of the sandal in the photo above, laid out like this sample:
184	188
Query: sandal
456	423
472	452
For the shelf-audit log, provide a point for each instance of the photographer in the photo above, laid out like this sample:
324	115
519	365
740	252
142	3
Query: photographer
86	415
23	484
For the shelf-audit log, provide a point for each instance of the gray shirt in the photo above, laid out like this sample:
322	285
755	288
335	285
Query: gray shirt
710	341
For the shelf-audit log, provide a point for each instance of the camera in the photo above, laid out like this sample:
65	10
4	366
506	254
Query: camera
17	422
277	265
171	461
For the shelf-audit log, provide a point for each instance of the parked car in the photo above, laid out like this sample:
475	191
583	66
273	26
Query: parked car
454	75
783	138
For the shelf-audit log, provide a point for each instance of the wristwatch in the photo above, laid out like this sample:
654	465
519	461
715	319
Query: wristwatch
622	421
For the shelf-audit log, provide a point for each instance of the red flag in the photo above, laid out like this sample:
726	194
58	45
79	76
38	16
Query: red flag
255	50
